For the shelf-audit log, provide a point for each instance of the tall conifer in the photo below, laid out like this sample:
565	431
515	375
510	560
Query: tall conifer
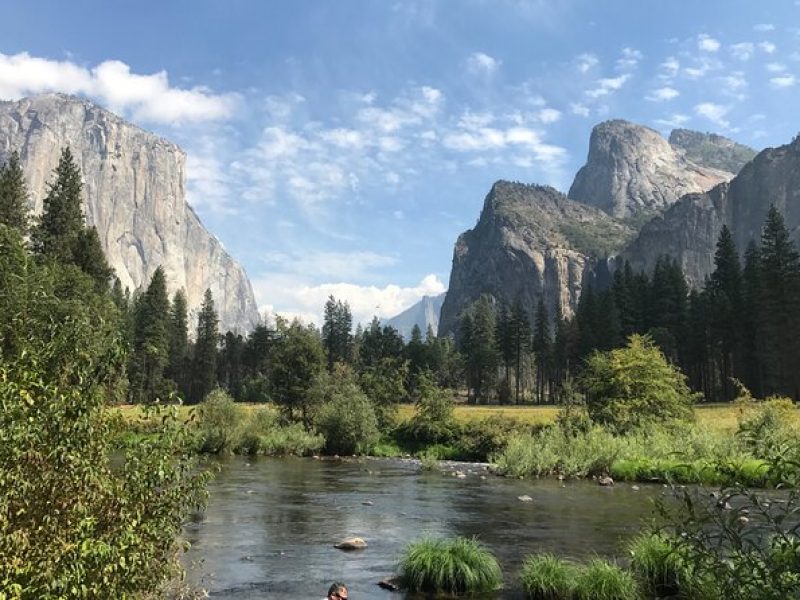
13	195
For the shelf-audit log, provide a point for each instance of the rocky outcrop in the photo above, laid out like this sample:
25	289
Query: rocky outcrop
531	242
424	313
711	150
688	230
134	193
633	172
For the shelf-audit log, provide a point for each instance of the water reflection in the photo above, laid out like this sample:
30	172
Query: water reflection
271	524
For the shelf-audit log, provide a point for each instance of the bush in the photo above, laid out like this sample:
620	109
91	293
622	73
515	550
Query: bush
547	577
481	439
766	426
601	580
457	566
346	417
433	422
220	422
634	386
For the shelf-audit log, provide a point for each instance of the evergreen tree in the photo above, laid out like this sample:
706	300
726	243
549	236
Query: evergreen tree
150	341
205	349
416	352
89	257
477	344
297	362
504	339
57	234
724	289
337	338
178	363
585	321
541	350
13	195
521	344
752	337
230	369
779	307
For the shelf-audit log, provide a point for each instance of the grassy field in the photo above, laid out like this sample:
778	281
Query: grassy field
717	416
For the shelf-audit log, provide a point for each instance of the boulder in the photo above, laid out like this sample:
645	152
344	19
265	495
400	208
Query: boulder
353	543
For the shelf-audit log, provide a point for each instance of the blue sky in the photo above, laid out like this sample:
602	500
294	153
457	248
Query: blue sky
340	147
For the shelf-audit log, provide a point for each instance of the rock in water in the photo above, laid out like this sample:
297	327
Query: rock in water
525	498
605	481
631	170
354	543
135	194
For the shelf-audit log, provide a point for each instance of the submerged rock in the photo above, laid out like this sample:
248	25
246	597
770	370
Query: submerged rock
605	481
525	498
354	543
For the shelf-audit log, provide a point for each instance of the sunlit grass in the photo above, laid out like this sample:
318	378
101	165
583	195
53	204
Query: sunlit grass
548	577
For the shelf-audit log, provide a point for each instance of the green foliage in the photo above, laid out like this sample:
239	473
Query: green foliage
457	566
71	524
89	258
766	426
657	565
205	349
13	195
601	580
384	385
632	386
478	440
477	344
337	338
345	416
297	360
220	423
433	422
150	342
547	577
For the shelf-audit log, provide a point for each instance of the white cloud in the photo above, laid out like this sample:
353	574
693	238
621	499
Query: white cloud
481	62
146	97
674	121
776	67
630	58
707	43
291	296
670	67
764	27
783	81
663	94
743	50
734	84
579	109
713	112
768	47
547	115
586	61
607	85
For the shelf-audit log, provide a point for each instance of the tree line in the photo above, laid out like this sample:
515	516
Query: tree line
742	327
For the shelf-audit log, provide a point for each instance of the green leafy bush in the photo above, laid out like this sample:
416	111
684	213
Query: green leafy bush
601	580
457	566
478	440
220	423
433	422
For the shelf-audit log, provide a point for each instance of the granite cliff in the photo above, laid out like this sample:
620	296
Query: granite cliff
530	242
633	172
689	229
134	193
424	313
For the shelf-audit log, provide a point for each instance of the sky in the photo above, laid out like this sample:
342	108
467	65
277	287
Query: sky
340	147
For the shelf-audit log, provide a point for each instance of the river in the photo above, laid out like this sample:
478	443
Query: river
270	525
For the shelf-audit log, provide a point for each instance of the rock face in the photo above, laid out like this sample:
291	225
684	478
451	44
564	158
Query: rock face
632	171
711	150
530	242
134	193
688	230
424	313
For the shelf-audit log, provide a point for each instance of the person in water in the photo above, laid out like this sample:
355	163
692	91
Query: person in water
337	591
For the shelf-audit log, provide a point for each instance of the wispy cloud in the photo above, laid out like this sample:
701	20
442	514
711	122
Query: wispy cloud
480	62
586	61
607	85
663	94
713	112
707	43
148	98
743	50
784	81
764	27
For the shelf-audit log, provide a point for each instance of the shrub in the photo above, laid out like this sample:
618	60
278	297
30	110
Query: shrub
633	386
433	422
601	580
766	426
547	577
220	422
457	566
346	417
481	439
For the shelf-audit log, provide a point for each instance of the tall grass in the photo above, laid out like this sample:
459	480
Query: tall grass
657	564
602	580
457	566
547	577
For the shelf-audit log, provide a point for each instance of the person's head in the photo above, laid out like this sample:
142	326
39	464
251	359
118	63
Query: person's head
337	591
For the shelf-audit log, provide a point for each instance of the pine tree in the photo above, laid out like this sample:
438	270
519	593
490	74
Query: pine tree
337	338
13	195
521	343
89	256
150	341
477	329
177	365
205	350
724	289
780	307
230	372
504	339
541	349
752	336
57	234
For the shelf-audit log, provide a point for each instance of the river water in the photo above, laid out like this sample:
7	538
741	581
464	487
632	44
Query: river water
270	525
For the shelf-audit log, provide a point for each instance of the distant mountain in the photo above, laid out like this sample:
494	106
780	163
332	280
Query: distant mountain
711	150
423	313
689	229
134	187
531	242
632	172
